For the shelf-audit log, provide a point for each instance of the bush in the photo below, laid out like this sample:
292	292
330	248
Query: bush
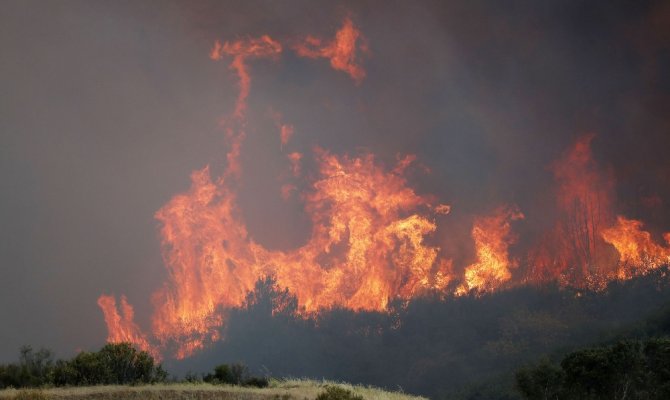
124	364
117	363
234	374
628	369
33	369
257	382
338	393
192	377
541	382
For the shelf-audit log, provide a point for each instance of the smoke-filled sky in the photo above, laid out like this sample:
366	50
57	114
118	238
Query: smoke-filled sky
108	106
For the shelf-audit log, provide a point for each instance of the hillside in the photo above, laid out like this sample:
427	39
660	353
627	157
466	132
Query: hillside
284	390
441	348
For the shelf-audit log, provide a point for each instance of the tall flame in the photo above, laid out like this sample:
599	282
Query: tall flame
241	51
492	237
368	243
121	326
366	247
574	251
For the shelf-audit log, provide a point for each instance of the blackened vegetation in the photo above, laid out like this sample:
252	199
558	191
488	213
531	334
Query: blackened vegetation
114	364
457	347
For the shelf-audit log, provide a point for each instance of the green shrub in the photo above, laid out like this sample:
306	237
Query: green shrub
33	369
118	363
222	374
338	393
234	374
257	382
192	377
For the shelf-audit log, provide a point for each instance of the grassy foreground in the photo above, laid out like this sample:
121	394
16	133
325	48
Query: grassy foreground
281	390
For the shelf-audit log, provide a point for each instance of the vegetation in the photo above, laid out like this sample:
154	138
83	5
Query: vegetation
630	369
290	389
446	348
114	364
338	393
455	348
235	374
30	395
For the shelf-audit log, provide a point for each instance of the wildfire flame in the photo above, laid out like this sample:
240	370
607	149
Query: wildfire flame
342	50
121	326
635	247
574	251
241	51
492	237
366	248
369	240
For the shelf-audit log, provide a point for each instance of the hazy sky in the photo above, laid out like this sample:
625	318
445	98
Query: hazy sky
107	107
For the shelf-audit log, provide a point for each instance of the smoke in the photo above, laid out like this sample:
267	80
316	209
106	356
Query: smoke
109	107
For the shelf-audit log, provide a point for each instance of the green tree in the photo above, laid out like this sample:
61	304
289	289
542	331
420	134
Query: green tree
125	364
222	374
115	363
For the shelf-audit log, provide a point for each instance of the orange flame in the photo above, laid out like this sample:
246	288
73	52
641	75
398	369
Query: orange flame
242	50
585	198
574	250
492	237
121	326
295	158
341	50
366	248
286	131
367	244
637	251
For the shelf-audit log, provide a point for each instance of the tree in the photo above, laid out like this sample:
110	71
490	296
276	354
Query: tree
657	355
115	363
125	364
270	300
542	382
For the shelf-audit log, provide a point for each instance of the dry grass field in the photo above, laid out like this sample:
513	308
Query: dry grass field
281	390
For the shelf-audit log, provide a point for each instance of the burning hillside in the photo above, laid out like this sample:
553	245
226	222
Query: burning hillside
372	238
